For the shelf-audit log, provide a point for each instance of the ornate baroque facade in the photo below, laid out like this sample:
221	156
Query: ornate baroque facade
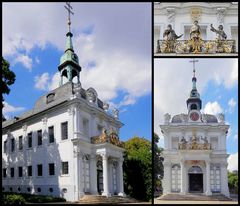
181	17
195	158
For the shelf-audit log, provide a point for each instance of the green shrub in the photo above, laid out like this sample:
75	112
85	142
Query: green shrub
13	199
9	198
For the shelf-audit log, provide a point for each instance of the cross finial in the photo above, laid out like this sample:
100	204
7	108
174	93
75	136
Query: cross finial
68	7
193	61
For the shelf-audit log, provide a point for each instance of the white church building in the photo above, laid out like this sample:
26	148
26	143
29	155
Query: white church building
68	145
181	16
195	158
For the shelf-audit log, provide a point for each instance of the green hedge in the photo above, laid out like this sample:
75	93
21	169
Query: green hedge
13	199
21	198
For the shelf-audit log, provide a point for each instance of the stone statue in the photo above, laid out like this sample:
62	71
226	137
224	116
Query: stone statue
221	117
167	118
205	140
195	31
116	113
169	34
221	35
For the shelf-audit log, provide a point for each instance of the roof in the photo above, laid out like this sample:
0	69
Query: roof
51	99
183	118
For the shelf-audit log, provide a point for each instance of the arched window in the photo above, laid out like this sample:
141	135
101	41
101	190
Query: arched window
195	170
176	178
50	97
193	106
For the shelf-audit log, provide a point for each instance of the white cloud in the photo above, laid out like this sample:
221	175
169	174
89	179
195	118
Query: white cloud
10	110
233	162
235	138
173	83
41	82
37	60
25	60
231	104
122	62
212	108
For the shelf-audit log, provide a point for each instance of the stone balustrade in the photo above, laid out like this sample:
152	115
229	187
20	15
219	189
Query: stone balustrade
197	46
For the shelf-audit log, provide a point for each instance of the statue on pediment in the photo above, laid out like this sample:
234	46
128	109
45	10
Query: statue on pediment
221	35
195	31
170	35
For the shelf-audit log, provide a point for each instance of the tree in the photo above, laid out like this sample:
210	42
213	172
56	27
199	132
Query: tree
158	166
137	168
8	78
233	182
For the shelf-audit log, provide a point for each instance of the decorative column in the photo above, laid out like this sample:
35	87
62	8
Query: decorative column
167	177
208	188
76	169
183	177
224	179
80	173
93	174
105	176
120	175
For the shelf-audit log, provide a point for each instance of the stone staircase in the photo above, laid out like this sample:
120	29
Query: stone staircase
99	199
194	197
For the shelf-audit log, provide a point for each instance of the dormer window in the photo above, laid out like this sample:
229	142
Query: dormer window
50	97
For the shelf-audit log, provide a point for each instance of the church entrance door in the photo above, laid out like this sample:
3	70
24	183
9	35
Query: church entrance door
195	182
195	175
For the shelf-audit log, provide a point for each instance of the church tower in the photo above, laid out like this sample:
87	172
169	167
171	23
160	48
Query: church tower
194	102
69	65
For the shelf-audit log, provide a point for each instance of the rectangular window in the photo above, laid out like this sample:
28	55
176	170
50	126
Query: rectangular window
39	134
64	168
12	145
86	127
30	140
12	171
51	134
39	170
20	141
51	169
64	128
5	147
4	172
30	171
19	171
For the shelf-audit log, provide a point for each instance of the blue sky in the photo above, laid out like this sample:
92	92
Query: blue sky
217	83
112	40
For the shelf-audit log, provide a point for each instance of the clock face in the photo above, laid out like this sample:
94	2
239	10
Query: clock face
194	116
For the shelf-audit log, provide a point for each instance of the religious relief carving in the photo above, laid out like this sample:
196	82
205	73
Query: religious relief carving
194	144
111	138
